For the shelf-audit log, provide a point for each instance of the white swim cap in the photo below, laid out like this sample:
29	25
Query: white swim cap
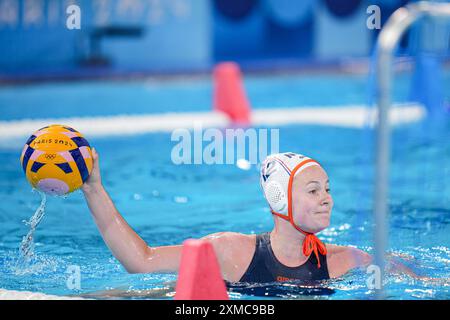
277	176
276	171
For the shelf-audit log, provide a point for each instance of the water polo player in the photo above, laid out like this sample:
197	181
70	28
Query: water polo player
297	191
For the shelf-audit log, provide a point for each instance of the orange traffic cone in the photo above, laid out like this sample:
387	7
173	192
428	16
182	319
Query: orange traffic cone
199	277
229	93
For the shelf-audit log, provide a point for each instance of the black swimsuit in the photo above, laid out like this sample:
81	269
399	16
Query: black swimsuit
266	268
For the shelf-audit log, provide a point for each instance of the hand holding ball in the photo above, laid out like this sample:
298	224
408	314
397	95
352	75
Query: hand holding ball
57	159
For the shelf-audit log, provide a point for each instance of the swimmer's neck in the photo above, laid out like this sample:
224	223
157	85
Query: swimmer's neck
288	247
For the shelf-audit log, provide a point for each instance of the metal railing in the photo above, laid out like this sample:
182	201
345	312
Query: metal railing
388	39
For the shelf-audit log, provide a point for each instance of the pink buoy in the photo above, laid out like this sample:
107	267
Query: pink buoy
229	93
199	277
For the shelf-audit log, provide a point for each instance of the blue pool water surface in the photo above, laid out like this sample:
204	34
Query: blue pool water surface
166	204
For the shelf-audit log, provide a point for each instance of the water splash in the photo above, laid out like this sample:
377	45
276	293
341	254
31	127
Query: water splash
26	251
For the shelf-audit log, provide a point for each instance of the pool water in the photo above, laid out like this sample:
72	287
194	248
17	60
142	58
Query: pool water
166	204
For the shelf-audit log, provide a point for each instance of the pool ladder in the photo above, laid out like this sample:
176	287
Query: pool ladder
388	39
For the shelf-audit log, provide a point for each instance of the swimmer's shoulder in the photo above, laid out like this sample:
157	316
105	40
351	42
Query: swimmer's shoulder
341	259
234	251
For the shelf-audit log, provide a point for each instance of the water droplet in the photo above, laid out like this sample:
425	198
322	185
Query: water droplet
26	249
181	199
243	164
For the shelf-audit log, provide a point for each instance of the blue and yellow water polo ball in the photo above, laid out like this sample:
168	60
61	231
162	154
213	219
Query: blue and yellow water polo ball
57	159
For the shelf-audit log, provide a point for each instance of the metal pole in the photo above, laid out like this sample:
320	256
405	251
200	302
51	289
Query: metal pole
389	37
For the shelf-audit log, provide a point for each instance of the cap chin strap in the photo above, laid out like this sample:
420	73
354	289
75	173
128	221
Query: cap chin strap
311	243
